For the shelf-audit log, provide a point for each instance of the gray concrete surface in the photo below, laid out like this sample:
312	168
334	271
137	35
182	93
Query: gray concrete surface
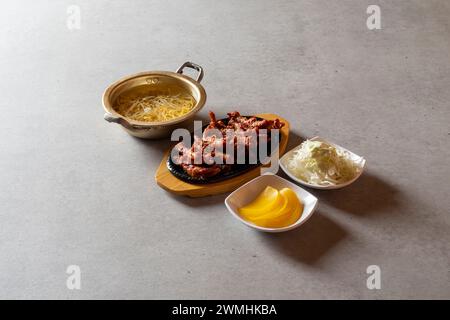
75	190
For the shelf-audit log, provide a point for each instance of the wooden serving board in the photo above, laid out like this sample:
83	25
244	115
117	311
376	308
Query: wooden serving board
169	182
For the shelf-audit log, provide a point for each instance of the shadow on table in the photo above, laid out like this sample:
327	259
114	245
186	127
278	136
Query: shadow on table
294	140
199	202
162	145
310	242
368	195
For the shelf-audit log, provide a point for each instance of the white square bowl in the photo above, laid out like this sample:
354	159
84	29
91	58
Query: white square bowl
249	191
358	160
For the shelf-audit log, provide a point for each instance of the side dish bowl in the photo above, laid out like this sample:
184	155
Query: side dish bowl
358	160
248	191
158	80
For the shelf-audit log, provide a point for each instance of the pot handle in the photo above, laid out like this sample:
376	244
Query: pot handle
110	118
193	66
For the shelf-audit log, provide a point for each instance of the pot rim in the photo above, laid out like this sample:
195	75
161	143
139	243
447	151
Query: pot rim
107	106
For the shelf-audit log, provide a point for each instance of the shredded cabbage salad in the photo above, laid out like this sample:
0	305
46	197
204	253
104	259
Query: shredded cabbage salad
320	163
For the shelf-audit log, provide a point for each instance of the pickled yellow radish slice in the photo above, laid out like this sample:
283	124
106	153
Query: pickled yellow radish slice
266	202
290	201
286	215
284	220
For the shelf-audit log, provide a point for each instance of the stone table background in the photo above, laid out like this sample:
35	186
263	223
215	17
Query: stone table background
75	190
